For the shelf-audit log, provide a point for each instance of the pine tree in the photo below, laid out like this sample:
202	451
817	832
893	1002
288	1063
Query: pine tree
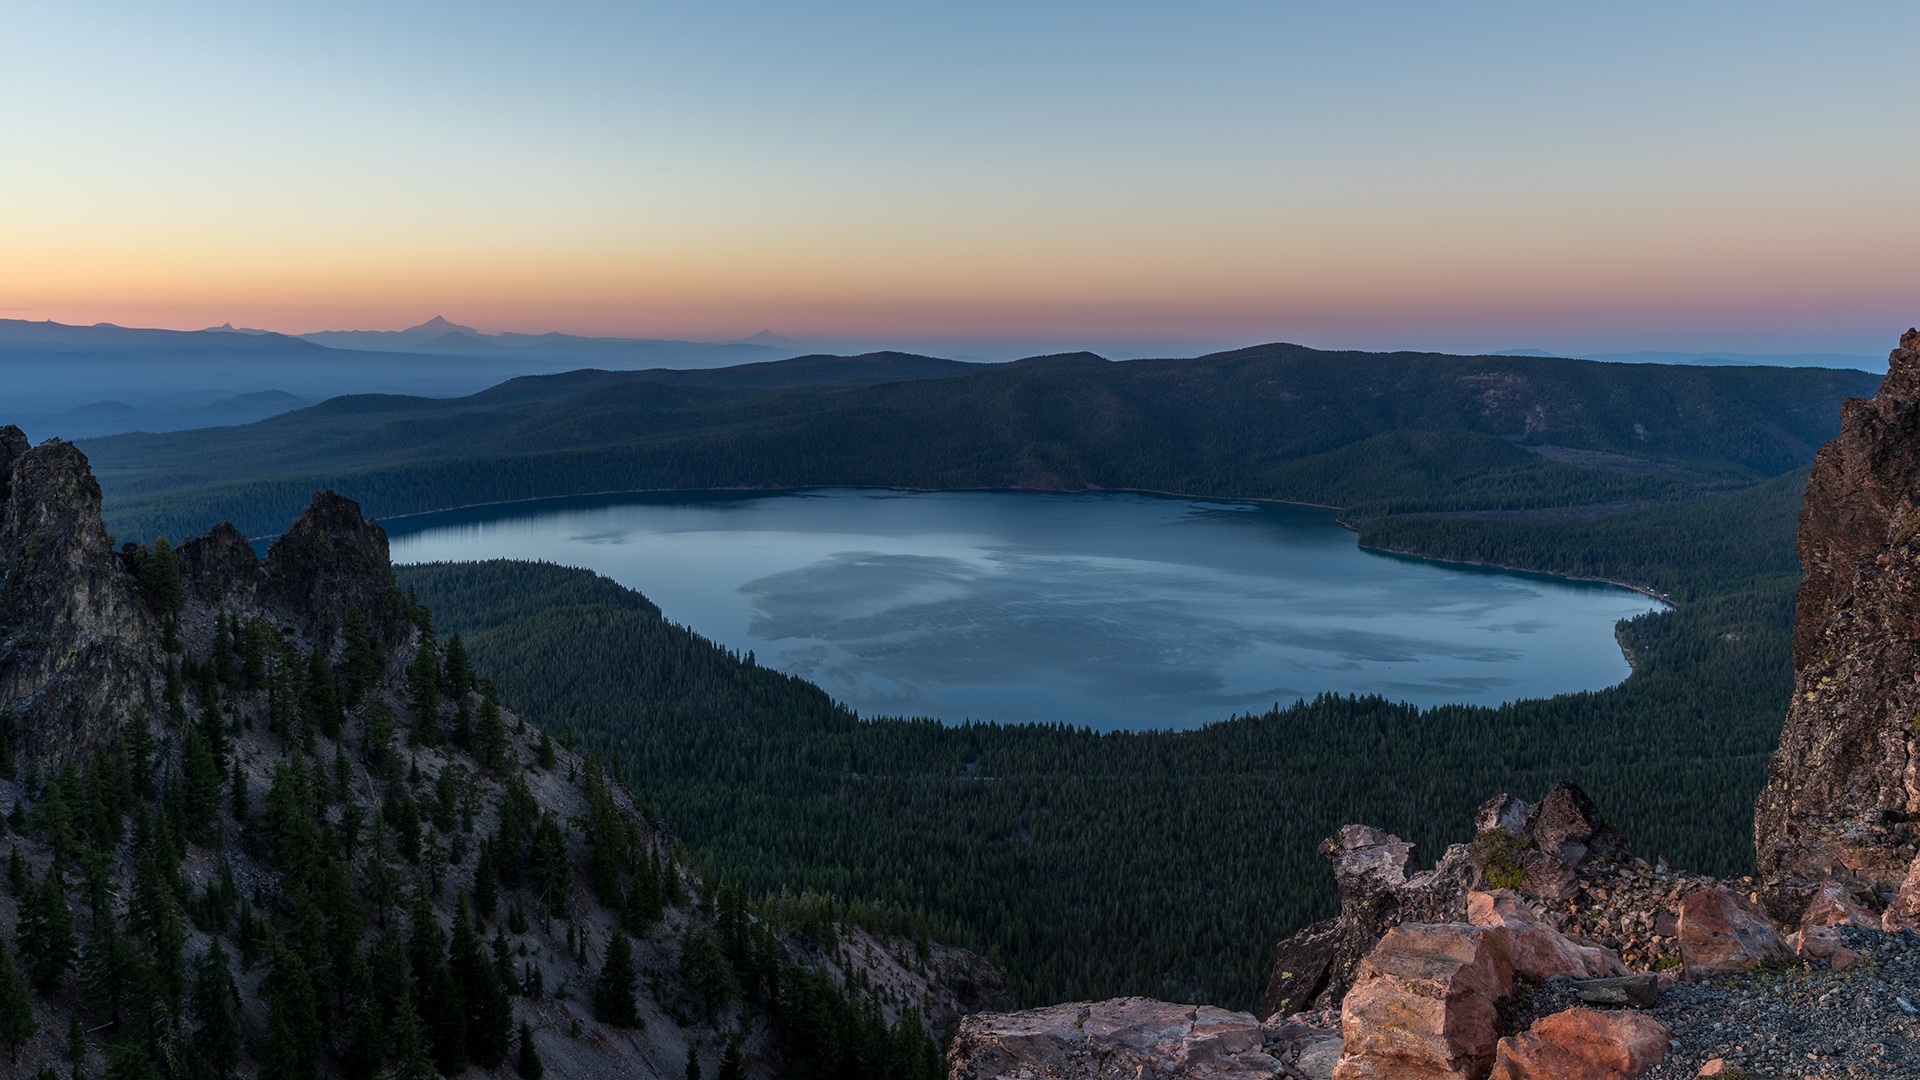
733	1065
54	818
154	919
132	1061
503	962
490	735
160	578
199	790
489	1015
359	664
486	887
16	872
293	1021
240	806
458	674
423	694
76	1039
108	968
46	932
323	705
216	1044
529	1066
140	747
613	992
17	1024
693	1060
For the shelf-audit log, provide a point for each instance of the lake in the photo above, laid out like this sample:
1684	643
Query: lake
1103	610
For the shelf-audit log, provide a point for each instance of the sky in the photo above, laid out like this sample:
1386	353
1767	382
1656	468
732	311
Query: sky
1461	177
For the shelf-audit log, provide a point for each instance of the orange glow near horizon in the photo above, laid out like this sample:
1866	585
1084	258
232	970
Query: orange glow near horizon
1448	180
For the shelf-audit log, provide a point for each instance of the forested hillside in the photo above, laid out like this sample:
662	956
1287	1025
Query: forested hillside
1162	864
282	828
1267	422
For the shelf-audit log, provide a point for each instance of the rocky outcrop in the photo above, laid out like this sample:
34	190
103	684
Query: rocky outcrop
1132	1037
1583	1044
73	630
333	561
1314	968
1553	849
81	647
1842	798
1424	1003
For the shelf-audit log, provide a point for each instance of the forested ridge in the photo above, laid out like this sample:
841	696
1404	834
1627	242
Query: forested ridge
1275	421
1162	864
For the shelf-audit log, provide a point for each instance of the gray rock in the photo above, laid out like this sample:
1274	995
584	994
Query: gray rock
1642	990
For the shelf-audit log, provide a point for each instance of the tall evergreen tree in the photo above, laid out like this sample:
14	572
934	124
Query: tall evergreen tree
46	932
17	1024
613	991
153	915
489	1014
216	1043
733	1065
359	663
490	735
529	1066
293	1021
110	972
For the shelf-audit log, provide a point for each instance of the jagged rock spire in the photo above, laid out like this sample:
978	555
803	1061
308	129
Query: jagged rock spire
1845	783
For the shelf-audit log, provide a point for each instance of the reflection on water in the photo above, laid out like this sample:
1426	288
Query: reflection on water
1105	610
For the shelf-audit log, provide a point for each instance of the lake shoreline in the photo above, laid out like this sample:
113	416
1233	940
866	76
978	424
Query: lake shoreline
1643	590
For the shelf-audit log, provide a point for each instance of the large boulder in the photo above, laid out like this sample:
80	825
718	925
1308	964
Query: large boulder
1538	950
1842	797
1424	1002
1584	1044
1567	832
1134	1037
1721	930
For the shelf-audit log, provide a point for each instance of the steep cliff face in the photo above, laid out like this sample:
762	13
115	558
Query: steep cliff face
79	635
1842	798
73	630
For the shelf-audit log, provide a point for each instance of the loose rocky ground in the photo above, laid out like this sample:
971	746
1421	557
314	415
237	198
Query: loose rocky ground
1796	1018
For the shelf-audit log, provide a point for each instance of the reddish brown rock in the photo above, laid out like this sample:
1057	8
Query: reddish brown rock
1904	912
1423	1004
1842	798
1313	968
1832	906
1720	930
1583	1044
1538	950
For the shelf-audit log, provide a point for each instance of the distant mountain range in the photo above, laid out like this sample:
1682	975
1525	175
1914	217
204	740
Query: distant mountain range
83	381
1722	359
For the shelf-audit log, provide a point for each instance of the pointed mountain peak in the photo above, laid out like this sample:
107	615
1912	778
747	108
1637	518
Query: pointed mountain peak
439	325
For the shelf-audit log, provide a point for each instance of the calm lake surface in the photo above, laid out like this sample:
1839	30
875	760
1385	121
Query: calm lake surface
1104	610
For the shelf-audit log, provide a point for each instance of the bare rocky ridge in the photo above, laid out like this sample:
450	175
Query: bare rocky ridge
72	627
1842	798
